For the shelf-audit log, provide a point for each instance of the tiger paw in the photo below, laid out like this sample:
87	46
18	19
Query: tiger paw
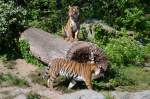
76	39
56	91
66	39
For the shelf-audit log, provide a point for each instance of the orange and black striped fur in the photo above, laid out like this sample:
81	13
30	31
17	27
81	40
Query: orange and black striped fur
71	69
71	29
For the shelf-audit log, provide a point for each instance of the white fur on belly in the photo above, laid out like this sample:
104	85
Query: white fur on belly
74	25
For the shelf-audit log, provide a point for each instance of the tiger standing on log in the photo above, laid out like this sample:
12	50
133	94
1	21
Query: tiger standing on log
72	70
72	27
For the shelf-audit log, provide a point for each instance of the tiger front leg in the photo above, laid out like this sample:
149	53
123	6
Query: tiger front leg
88	82
76	35
72	84
70	38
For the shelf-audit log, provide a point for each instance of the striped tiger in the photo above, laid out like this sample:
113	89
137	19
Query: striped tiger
72	70
71	29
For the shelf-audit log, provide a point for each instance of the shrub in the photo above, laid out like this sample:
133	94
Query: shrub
101	36
51	15
124	50
45	14
114	77
12	20
131	18
26	54
147	52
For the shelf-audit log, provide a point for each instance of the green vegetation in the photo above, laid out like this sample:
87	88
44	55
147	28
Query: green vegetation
140	77
127	53
32	95
124	81
9	80
112	80
27	55
12	20
10	64
124	50
108	95
37	77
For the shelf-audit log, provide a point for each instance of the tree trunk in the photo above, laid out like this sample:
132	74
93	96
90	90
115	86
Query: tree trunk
46	47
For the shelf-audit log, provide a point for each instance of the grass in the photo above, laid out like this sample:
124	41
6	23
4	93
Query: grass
32	95
9	80
10	64
141	77
8	60
37	78
107	95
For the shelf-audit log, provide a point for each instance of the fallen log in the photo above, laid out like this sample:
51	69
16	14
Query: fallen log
46	46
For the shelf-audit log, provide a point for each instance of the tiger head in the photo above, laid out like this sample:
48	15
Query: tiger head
73	11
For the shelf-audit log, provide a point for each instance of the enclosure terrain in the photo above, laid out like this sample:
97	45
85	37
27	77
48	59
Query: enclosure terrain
118	28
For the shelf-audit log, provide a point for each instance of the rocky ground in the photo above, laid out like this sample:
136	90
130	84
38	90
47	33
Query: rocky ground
22	69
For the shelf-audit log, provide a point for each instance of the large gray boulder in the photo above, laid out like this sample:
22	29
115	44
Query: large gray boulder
46	46
132	95
87	29
83	94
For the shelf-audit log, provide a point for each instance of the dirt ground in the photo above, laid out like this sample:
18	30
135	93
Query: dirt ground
22	69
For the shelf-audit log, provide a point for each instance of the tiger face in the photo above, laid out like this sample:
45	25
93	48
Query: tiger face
73	11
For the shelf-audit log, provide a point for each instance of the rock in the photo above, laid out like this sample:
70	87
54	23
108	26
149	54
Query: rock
46	47
20	93
87	29
131	95
22	96
147	65
83	94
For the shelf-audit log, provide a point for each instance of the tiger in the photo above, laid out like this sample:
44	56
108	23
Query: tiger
72	70
71	29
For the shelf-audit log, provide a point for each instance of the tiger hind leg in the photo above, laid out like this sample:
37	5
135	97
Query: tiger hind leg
50	81
72	84
50	84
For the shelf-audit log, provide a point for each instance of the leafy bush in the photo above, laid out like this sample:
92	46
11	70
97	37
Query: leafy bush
51	15
26	54
101	36
124	50
45	14
12	20
114	77
131	19
147	52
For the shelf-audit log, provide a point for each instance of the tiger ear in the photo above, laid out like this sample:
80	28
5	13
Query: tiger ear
77	7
